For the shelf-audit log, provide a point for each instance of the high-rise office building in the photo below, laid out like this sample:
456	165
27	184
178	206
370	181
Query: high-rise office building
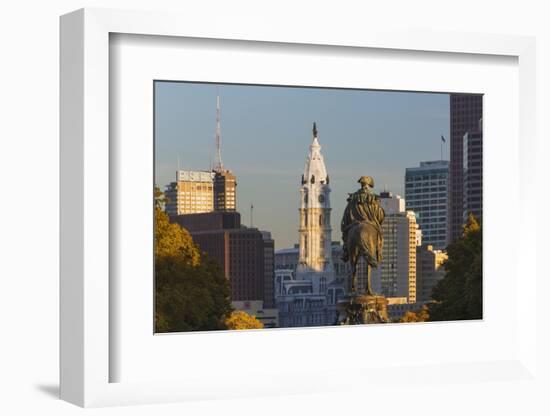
472	158
225	191
193	192
429	270
396	274
240	251
465	113
426	193
269	269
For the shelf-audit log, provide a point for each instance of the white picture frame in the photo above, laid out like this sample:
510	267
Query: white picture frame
87	355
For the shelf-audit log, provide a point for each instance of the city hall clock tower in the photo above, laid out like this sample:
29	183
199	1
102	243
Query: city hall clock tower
315	257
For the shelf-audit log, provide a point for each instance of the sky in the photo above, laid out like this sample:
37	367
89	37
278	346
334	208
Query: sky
266	133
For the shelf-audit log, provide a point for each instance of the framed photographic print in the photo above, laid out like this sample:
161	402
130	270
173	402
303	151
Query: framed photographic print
301	251
287	200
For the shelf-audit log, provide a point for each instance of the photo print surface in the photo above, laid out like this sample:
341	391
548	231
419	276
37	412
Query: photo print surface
279	207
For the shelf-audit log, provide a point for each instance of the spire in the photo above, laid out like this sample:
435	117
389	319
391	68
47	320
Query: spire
218	166
315	165
315	146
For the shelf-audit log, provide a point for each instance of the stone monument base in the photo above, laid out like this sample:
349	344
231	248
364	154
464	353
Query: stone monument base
363	309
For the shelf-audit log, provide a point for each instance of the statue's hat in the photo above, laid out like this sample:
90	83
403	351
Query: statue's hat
366	180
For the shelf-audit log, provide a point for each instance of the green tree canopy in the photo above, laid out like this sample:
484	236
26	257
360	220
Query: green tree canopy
458	295
190	298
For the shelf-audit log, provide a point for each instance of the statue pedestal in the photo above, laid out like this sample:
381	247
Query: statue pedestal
363	309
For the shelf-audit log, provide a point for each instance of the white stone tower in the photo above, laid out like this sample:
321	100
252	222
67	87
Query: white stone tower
315	260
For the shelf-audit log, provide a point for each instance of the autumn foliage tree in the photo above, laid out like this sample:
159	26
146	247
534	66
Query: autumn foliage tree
242	320
191	292
421	315
458	295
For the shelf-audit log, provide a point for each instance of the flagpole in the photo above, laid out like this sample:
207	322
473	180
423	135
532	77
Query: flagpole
251	215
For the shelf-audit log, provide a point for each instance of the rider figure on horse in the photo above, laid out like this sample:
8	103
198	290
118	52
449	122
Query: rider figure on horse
363	206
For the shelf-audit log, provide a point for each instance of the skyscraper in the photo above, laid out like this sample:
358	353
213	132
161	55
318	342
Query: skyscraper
191	193
225	192
465	113
426	193
396	274
429	270
269	269
240	251
203	191
472	157
225	182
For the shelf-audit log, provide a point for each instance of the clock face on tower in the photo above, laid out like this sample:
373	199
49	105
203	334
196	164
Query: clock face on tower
321	198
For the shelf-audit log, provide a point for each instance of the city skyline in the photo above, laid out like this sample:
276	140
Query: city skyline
266	133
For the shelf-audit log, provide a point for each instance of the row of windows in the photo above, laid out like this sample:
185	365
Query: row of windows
423	196
410	188
426	177
426	205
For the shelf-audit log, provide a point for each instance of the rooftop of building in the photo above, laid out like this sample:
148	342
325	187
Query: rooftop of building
194	175
429	166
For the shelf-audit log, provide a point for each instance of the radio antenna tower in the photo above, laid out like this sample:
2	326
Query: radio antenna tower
218	167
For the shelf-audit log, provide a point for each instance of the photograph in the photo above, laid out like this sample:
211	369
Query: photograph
297	206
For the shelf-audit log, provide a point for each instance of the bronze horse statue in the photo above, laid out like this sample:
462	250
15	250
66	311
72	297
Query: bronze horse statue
362	231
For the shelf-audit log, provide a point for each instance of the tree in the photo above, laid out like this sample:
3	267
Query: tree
171	240
458	295
242	320
190	298
421	315
191	293
160	198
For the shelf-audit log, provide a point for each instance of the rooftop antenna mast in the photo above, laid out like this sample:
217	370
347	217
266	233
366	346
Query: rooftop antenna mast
219	165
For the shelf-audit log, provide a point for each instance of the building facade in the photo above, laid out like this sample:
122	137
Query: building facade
396	274
465	113
193	192
315	257
225	192
307	295
240	252
269	270
426	193
196	192
429	270
472	158
287	259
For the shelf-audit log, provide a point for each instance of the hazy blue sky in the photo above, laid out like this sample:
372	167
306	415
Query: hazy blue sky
266	133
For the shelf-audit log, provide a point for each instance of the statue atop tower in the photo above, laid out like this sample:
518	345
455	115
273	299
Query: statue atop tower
313	284
315	257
